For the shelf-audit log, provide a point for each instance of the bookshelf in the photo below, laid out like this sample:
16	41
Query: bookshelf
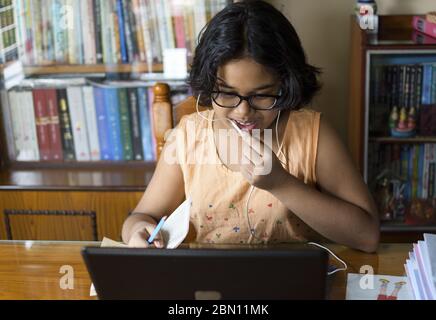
113	45
386	71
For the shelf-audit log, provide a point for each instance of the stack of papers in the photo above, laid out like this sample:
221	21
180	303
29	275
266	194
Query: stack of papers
421	268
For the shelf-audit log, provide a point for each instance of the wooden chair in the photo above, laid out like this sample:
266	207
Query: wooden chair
164	113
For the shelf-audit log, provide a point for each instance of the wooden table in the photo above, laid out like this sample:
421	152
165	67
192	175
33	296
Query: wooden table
31	270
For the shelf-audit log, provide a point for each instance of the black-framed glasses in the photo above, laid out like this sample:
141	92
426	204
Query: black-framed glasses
256	101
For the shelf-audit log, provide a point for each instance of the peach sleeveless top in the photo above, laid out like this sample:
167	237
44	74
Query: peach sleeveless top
219	195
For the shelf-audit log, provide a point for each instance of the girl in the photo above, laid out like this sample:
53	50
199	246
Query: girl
292	182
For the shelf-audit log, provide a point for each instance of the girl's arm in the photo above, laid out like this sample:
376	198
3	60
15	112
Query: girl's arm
163	195
344	211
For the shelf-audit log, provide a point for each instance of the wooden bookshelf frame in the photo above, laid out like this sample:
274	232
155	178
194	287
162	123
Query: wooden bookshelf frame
55	69
395	36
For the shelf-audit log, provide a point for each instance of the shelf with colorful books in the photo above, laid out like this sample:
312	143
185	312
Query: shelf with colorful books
111	32
393	122
71	50
401	154
76	122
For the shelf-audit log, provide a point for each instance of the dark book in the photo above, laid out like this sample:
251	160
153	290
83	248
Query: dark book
395	85
128	14
135	124
431	180
418	86
98	31
133	29
65	124
412	86
406	96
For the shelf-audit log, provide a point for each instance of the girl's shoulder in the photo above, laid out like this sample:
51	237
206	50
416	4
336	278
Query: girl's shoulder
304	118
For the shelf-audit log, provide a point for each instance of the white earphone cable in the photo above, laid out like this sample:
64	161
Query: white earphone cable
334	255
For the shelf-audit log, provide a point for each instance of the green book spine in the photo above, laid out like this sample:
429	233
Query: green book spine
126	136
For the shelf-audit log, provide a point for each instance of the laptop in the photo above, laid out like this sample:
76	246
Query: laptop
218	273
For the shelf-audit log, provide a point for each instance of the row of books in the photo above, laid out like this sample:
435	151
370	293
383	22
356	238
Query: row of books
83	123
408	86
421	268
109	31
8	41
414	164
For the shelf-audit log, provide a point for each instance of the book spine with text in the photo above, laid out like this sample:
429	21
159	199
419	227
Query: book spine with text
128	24
102	124
54	125
88	31
126	136
135	124
91	122
98	31
146	132
27	115
78	123
113	116
41	121
65	123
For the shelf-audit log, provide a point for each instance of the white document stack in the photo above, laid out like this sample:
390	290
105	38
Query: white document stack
421	268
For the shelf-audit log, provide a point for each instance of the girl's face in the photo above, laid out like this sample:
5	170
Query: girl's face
246	77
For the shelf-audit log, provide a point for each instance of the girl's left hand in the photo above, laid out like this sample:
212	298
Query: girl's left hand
260	166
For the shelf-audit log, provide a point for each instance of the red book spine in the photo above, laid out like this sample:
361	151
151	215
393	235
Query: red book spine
422	38
53	125
424	26
179	25
41	120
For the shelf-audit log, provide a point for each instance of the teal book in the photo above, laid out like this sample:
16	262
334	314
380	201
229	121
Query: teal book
114	125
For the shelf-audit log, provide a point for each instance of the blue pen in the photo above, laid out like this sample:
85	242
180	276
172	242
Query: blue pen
156	230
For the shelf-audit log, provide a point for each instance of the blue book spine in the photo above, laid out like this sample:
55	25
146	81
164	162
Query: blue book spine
426	83
114	125
102	124
123	44
144	114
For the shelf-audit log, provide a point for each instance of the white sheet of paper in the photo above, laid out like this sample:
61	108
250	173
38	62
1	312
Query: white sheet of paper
176	227
355	292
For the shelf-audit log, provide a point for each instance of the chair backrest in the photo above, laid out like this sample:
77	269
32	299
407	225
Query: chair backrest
165	115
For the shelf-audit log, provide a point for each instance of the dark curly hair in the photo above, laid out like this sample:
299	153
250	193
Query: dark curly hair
254	29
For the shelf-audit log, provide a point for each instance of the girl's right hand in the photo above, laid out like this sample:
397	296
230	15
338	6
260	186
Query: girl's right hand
140	234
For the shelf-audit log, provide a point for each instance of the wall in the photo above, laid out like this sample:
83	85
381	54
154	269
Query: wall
323	26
